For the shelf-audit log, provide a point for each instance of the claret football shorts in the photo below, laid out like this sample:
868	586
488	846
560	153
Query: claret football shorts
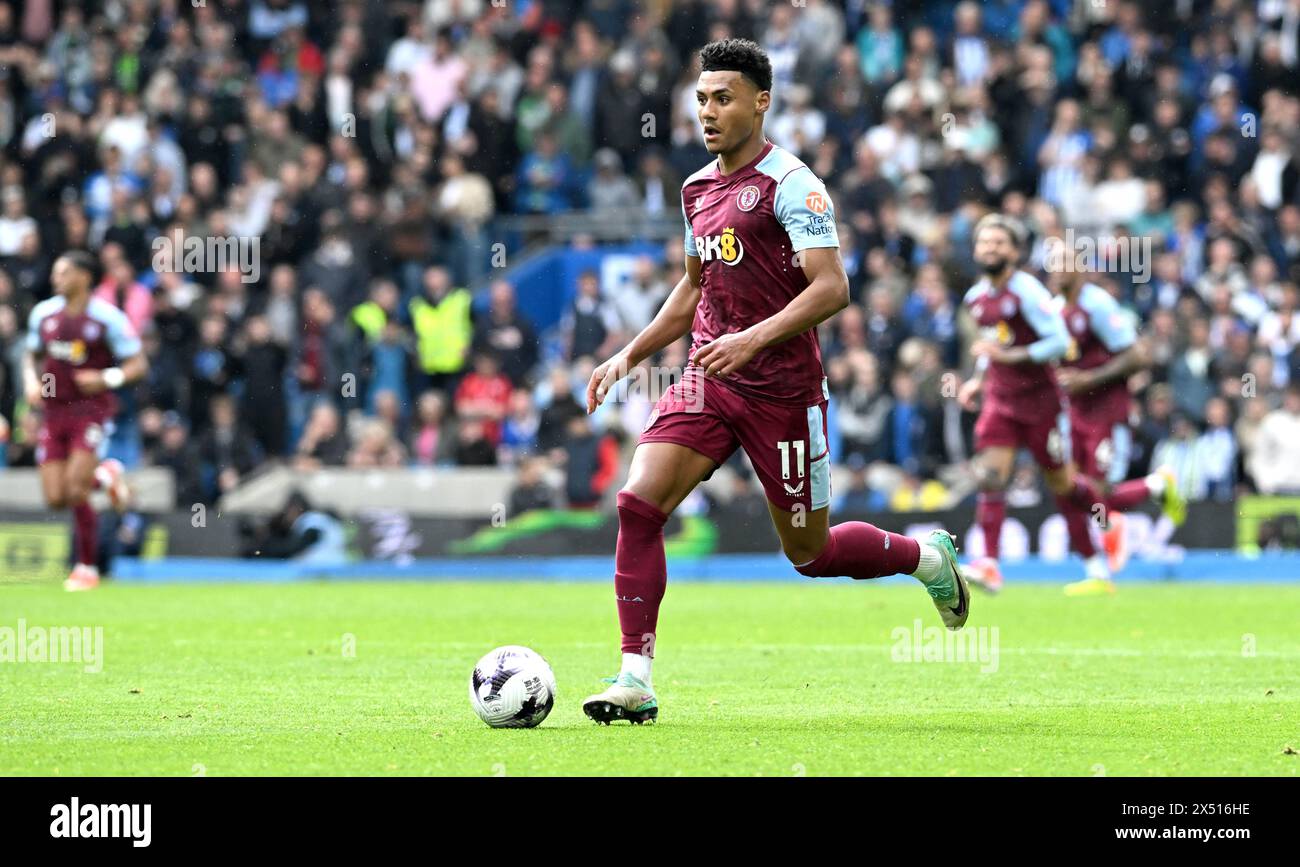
1047	438
62	433
785	443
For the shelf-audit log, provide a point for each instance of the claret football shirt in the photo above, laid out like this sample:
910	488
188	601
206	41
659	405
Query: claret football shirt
747	229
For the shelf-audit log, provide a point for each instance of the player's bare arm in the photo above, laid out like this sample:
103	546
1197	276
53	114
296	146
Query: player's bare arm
1001	354
673	320
1136	357
970	390
131	370
31	382
826	295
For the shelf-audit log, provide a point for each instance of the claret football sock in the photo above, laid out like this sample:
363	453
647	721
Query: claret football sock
860	550
990	512
1134	492
1126	495
1076	522
640	572
86	523
1077	507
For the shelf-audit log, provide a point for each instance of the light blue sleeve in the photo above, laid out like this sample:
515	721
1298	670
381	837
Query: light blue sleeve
121	335
805	210
1110	322
690	235
1044	316
34	328
39	314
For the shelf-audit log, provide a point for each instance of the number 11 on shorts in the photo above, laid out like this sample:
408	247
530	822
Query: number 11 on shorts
784	446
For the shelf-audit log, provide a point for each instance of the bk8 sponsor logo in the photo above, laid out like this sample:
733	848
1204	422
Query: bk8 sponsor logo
725	248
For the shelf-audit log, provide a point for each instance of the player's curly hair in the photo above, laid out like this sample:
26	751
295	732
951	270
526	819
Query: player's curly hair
1013	227
738	55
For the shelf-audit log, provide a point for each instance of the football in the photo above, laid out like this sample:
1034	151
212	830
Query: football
512	687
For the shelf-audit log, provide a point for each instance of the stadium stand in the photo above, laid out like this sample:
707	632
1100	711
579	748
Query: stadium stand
456	208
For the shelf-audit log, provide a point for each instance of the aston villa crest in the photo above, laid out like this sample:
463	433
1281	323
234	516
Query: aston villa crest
747	198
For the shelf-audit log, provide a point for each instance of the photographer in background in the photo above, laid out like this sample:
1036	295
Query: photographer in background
297	532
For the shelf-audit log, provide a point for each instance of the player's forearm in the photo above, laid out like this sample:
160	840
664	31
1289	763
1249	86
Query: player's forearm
825	296
135	369
1118	367
1014	355
30	381
113	378
674	319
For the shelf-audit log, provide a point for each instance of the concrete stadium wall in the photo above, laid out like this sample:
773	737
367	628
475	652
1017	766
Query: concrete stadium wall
155	489
421	492
424	492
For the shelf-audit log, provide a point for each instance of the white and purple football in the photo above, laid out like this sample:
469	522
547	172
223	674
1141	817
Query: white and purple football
512	687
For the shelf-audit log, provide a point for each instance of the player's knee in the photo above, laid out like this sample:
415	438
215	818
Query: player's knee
56	500
633	508
76	490
802	555
988	479
802	560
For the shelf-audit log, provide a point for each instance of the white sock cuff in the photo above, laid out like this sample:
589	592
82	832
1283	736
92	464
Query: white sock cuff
638	665
1156	484
930	562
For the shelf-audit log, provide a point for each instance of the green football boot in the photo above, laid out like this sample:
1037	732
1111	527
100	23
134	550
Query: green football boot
948	590
626	698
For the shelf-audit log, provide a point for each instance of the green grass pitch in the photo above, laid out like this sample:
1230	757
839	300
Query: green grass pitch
763	679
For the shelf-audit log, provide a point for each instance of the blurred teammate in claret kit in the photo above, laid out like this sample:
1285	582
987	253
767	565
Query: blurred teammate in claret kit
1104	351
1023	340
79	350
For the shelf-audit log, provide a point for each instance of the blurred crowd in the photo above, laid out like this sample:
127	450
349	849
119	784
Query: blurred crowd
373	149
